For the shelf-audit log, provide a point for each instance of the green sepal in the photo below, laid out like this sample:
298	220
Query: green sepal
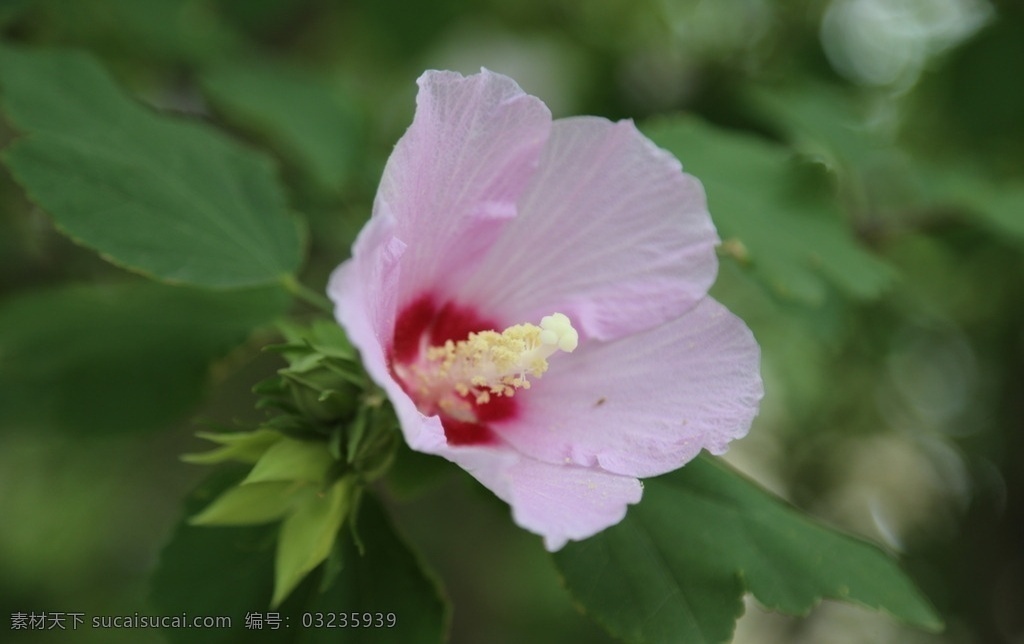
354	434
332	434
353	524
307	536
245	447
335	561
323	336
323	381
230	571
379	450
290	459
291	425
371	439
253	503
321	395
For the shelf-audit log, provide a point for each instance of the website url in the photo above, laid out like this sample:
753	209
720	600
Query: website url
162	621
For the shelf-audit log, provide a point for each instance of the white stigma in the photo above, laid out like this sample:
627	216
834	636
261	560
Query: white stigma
489	363
557	331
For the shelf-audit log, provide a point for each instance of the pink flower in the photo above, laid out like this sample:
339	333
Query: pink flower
490	215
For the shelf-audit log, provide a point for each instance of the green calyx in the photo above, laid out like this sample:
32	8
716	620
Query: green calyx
323	381
330	432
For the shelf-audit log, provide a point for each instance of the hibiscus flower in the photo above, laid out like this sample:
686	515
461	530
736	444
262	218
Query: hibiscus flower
532	296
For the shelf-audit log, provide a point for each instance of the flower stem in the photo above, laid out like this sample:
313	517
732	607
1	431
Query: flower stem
306	294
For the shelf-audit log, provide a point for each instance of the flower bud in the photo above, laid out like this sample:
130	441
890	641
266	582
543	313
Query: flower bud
323	382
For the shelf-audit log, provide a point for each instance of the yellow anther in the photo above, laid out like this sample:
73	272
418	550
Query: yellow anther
489	363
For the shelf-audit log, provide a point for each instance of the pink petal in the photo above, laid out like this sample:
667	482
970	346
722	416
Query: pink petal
361	316
558	502
454	177
364	292
448	187
565	503
647	403
610	232
365	288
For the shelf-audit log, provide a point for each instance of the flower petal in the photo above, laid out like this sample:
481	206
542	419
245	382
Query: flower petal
558	502
648	403
568	503
610	232
363	290
454	177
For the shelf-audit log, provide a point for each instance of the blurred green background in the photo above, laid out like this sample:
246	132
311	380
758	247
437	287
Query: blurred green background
895	403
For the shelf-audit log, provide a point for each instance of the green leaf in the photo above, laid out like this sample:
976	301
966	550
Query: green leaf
174	32
828	124
821	121
126	357
215	571
997	204
413	473
230	572
309	118
777	209
676	568
842	129
174	200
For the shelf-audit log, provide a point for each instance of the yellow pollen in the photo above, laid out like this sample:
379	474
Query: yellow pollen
489	363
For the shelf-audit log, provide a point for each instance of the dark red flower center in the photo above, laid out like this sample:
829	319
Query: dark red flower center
425	323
